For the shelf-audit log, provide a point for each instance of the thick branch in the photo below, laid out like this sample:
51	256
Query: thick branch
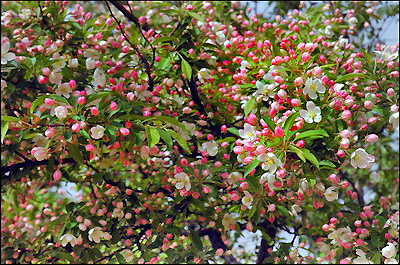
129	15
217	242
29	164
262	251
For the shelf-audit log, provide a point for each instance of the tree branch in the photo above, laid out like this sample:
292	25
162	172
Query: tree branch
262	251
129	15
28	164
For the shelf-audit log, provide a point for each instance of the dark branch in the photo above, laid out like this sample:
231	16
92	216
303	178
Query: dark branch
28	164
129	15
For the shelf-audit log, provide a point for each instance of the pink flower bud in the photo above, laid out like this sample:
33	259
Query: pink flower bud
49	101
306	57
94	111
279	131
325	227
90	148
124	131
368	104
238	150
390	92
372	120
341	153
372	138
72	84
49	132
346	114
261	149
295	102
281	172
81	100
57	175
76	127
248	160
113	105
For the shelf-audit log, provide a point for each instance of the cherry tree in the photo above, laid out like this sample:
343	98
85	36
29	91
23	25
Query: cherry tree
164	132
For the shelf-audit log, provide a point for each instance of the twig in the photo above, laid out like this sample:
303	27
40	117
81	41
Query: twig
129	15
144	60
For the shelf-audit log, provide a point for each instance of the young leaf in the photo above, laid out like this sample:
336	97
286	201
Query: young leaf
327	163
249	106
37	102
252	181
290	121
186	69
75	153
163	39
153	136
234	131
4	130
307	154
182	142
174	121
251	166
10	118
165	136
270	123
299	153
197	16
348	77
312	133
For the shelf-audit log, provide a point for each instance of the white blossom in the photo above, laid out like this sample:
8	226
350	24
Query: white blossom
183	181
312	114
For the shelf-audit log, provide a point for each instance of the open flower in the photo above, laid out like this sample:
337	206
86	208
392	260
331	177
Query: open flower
95	234
389	251
40	153
68	238
387	54
5	55
183	181
128	255
61	112
331	194
97	132
271	162
99	78
249	133
312	114
63	90
361	259
203	74
394	120
247	199
228	220
313	86
233	177
361	159
211	148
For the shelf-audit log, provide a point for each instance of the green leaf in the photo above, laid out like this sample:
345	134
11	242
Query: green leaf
166	137
312	182
197	16
367	57
75	153
182	142
186	69
299	153
37	102
283	210
252	181
251	166
327	163
309	156
270	123
249	106
164	39
290	121
376	259
174	121
97	95
234	131
312	133
4	130
153	137
10	119
349	76
120	258
194	236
